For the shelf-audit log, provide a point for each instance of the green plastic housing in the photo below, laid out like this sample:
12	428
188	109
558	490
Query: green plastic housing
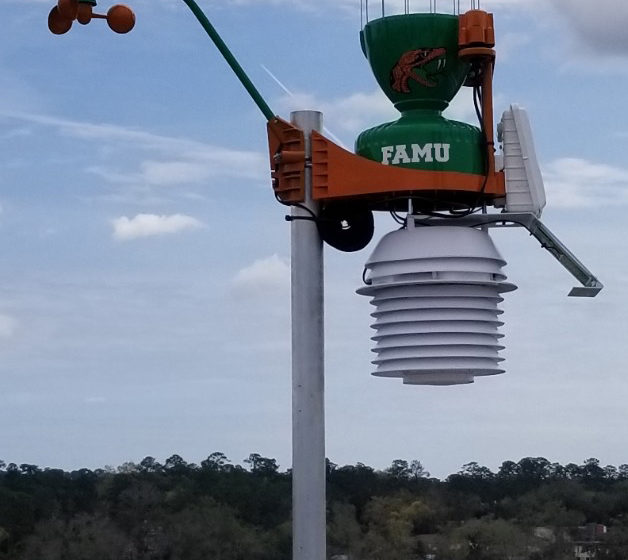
415	61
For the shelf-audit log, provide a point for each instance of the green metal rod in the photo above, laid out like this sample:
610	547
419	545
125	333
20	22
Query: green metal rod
231	60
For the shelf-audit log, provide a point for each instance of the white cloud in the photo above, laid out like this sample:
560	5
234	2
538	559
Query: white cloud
601	25
574	182
350	115
147	225
7	326
95	400
101	131
171	160
504	4
510	43
391	6
354	112
19	132
164	173
271	273
17	92
461	107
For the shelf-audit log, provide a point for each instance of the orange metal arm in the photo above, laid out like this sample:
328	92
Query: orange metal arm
338	173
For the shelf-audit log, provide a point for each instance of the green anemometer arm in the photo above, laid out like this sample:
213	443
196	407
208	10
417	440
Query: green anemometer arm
231	60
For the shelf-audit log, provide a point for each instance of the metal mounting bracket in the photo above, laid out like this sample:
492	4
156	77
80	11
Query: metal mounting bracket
591	286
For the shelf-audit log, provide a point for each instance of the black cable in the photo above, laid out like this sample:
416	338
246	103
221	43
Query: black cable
429	213
312	217
366	280
399	219
477	104
290	218
419	198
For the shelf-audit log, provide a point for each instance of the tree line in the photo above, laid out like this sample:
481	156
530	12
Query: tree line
216	510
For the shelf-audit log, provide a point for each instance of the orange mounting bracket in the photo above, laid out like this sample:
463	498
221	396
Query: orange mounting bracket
286	146
476	39
338	173
475	28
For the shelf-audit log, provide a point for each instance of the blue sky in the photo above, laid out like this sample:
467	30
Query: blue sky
144	277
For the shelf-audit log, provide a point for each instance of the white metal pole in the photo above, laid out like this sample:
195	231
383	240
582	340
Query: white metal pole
308	376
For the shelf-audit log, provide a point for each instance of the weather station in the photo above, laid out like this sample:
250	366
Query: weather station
436	280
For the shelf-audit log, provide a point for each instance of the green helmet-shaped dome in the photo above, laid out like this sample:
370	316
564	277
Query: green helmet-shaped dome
414	58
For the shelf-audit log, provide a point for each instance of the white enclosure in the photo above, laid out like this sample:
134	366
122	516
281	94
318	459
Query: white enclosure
436	292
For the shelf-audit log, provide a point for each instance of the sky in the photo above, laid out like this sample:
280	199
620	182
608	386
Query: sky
144	262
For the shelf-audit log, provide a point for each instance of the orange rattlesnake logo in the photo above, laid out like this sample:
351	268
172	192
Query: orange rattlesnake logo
409	61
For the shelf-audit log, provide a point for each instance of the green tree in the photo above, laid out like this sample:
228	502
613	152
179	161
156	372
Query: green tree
417	471
488	539
216	461
175	464
592	471
84	537
399	469
389	530
208	530
344	534
150	465
262	465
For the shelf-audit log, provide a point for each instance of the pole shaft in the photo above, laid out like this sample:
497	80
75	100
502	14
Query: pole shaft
308	412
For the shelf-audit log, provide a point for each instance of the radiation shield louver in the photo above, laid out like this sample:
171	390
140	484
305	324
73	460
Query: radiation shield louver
436	292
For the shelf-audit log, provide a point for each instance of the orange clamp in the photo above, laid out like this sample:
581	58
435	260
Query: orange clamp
286	146
476	29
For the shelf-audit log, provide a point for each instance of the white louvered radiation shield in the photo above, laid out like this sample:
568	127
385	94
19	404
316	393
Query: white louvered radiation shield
436	292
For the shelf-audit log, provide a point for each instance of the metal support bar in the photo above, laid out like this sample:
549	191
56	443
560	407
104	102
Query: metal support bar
591	286
231	60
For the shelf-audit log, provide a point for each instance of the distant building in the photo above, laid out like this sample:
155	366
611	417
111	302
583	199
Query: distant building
584	551
588	541
545	534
